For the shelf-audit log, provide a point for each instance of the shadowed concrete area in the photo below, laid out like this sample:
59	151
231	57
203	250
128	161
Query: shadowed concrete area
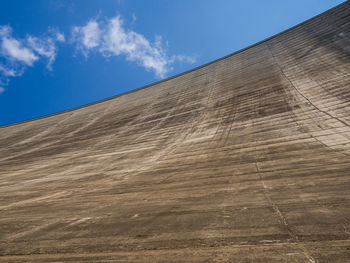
246	159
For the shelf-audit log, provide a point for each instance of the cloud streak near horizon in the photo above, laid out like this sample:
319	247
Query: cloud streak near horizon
107	37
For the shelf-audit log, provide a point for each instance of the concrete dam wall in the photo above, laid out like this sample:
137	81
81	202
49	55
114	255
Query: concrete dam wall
245	159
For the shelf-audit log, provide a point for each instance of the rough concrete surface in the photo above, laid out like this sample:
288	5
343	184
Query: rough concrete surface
246	159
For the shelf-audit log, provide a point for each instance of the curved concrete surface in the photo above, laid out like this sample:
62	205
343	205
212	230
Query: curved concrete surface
246	159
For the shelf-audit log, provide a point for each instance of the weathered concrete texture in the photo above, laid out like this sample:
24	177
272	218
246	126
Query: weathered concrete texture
246	159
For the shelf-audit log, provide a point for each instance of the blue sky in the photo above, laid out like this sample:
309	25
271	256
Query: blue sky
60	54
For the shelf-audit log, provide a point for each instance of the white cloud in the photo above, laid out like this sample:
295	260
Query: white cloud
2	90
5	31
112	38
45	47
14	50
18	54
7	72
183	58
109	37
87	36
116	40
56	35
60	37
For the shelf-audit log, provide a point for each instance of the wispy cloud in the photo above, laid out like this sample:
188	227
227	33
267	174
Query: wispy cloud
18	54
45	47
88	36
59	36
111	37
13	49
108	37
183	58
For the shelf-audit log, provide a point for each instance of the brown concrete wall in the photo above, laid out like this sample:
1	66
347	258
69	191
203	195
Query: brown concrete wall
243	160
